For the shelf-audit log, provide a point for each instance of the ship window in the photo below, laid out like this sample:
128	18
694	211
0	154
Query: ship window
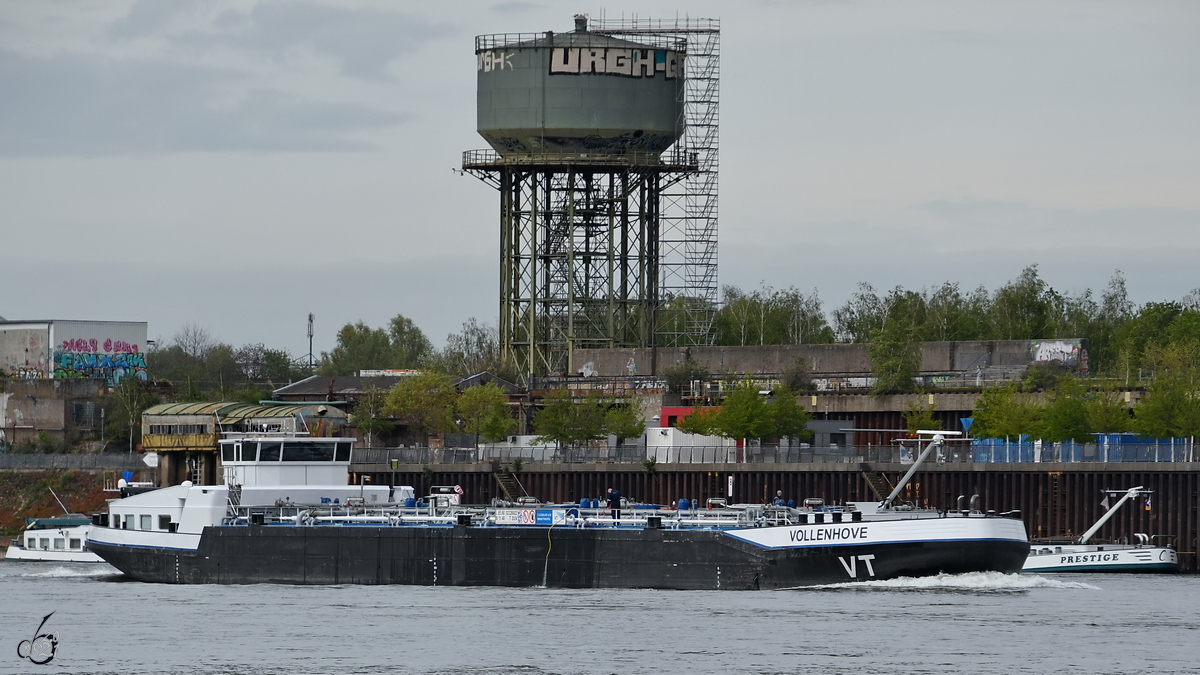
308	452
164	522
76	544
269	452
178	428
45	544
146	520
227	452
31	544
249	452
60	543
343	452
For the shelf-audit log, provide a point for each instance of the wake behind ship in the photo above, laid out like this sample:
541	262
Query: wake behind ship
287	515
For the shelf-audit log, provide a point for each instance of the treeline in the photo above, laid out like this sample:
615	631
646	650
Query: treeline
1123	339
429	404
199	368
746	414
401	344
1060	406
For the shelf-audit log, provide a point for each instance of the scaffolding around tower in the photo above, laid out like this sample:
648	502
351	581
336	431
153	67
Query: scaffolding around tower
688	247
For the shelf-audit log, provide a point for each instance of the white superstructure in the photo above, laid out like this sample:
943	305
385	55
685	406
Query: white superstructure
261	470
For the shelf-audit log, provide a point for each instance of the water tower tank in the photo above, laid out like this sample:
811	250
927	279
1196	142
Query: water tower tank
578	93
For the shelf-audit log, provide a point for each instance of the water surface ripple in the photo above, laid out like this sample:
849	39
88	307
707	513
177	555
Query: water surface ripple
982	623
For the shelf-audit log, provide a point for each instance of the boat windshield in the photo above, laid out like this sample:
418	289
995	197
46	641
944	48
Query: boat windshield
286	451
308	452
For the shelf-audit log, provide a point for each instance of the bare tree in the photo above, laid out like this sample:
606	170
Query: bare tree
194	340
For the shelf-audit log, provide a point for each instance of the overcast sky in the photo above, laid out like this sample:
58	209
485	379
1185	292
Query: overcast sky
240	164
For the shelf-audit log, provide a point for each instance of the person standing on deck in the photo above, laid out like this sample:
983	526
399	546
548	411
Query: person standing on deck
614	503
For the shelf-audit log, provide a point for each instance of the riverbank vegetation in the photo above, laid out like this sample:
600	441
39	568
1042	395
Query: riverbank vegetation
1155	345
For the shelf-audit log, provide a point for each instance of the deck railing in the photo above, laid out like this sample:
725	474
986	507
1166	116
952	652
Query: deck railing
33	462
954	454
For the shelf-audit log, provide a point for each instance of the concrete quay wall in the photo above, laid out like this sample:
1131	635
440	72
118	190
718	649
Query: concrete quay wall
823	359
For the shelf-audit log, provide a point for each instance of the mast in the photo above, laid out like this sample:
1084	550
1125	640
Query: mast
938	440
1129	494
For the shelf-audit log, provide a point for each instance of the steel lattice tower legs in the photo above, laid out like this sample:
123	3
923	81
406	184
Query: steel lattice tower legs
579	262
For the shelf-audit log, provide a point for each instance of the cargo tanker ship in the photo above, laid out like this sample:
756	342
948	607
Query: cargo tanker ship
286	514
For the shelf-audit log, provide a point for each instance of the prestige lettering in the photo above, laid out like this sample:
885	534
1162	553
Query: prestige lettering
1094	557
829	534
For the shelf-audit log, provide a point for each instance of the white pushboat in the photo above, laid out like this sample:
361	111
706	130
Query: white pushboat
1080	556
58	539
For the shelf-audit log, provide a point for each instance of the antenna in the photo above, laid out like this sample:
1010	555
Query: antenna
311	317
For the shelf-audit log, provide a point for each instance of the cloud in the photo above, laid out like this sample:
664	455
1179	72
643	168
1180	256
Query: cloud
215	296
516	7
77	105
178	77
363	41
1035	226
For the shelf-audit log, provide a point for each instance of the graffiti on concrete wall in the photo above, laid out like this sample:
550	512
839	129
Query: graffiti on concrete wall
93	346
1071	353
1065	352
23	354
111	367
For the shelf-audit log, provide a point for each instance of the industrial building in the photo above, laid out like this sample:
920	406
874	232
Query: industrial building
65	349
38	411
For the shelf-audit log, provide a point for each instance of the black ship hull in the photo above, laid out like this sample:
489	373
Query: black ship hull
552	557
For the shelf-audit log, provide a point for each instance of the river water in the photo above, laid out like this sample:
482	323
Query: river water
983	623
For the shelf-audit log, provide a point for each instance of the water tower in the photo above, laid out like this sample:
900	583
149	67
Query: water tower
588	134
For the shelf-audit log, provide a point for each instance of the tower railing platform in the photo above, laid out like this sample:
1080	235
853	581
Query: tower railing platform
490	160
